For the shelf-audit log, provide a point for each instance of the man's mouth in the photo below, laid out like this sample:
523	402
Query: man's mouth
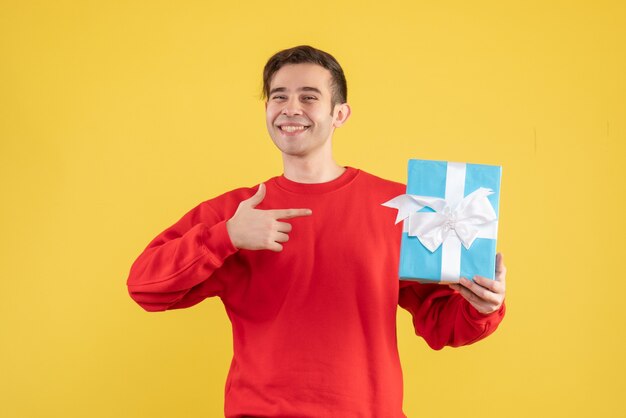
293	128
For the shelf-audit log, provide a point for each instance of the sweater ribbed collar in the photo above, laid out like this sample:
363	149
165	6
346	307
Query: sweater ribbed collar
316	188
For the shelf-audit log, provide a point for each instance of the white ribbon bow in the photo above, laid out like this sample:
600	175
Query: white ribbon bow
469	218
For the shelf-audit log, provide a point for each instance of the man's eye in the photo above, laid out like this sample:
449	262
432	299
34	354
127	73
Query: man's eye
310	98
278	97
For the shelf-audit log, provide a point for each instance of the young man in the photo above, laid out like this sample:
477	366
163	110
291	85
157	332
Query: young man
306	265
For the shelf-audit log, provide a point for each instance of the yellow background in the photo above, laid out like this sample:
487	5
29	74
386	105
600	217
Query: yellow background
117	117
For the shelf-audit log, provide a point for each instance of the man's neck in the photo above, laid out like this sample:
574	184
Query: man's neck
311	170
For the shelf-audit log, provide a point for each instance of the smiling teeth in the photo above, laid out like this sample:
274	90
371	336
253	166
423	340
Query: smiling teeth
292	128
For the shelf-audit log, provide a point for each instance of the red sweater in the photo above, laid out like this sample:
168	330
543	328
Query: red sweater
314	326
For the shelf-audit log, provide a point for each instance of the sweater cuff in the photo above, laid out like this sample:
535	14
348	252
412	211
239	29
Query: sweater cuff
475	316
217	241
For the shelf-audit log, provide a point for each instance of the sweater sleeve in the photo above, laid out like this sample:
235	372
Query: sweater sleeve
443	317
178	268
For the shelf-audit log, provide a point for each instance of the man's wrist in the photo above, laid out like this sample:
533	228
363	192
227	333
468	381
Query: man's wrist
229	230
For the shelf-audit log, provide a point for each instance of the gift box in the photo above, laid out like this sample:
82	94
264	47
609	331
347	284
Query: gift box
450	215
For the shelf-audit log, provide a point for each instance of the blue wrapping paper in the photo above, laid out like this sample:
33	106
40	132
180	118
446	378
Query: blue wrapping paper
441	179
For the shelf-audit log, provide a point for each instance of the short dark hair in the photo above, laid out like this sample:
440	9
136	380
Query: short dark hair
307	54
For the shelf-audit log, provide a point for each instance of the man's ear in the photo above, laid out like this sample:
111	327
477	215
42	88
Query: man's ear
266	105
343	113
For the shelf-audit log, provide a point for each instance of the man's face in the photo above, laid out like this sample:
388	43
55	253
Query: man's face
298	109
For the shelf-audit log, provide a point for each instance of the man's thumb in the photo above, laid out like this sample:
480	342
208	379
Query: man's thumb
258	196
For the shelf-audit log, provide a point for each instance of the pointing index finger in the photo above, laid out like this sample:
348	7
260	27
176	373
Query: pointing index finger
289	213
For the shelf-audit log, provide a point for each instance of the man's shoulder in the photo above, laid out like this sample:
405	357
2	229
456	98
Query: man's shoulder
381	183
227	202
217	208
238	194
233	197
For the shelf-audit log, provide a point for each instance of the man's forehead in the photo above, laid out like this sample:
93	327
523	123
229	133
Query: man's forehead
301	77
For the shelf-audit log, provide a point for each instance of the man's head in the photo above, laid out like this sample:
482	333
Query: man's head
303	106
305	54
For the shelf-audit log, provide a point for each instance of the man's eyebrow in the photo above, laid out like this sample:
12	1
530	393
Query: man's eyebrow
305	88
310	89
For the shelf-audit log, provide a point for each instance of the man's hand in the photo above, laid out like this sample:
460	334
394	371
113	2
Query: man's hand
484	294
257	229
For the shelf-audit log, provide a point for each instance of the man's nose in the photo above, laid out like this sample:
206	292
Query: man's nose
292	107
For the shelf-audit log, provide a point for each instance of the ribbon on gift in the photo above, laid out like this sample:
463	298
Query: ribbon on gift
455	220
466	218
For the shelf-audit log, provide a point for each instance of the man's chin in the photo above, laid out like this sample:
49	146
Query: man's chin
293	151
295	147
